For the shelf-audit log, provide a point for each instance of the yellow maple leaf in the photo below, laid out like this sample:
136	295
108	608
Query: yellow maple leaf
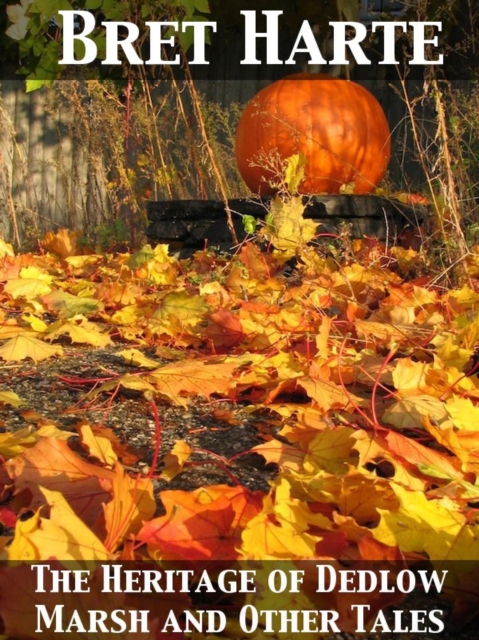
451	353
462	299
464	414
286	226
284	455
26	346
11	444
361	496
260	333
419	378
11	398
11	328
184	308
175	459
136	358
118	293
50	430
293	509
36	273
28	288
322	338
154	264
193	378
374	450
434	527
331	450
410	411
15	442
309	420
464	443
390	334
36	323
265	537
327	394
402	316
256	368
294	171
98	447
6	249
63	535
129	315
79	262
81	331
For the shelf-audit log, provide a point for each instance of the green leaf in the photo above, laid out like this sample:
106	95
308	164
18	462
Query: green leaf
249	224
190	7
38	46
114	10
34	84
35	27
49	8
186	38
202	6
47	66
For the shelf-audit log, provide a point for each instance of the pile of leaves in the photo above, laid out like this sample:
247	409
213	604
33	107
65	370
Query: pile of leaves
365	375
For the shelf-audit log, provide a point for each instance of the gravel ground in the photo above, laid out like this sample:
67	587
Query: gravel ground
46	388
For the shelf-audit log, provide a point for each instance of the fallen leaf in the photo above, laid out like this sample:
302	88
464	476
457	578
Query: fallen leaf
63	242
80	331
28	288
51	464
136	358
26	346
67	305
224	329
175	459
63	535
98	447
436	528
204	524
11	398
132	504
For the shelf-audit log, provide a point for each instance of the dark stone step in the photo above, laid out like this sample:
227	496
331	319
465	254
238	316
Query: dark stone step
192	223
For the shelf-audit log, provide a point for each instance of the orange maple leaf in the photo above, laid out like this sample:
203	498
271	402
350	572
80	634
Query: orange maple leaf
203	524
52	464
224	329
63	243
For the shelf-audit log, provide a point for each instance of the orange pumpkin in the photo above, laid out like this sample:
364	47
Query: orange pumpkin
336	124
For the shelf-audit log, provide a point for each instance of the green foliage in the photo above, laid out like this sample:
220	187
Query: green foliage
111	235
37	27
249	224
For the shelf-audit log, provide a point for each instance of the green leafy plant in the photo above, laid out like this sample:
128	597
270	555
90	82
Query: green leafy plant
37	27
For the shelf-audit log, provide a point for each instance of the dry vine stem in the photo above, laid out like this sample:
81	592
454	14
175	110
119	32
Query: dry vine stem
209	150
